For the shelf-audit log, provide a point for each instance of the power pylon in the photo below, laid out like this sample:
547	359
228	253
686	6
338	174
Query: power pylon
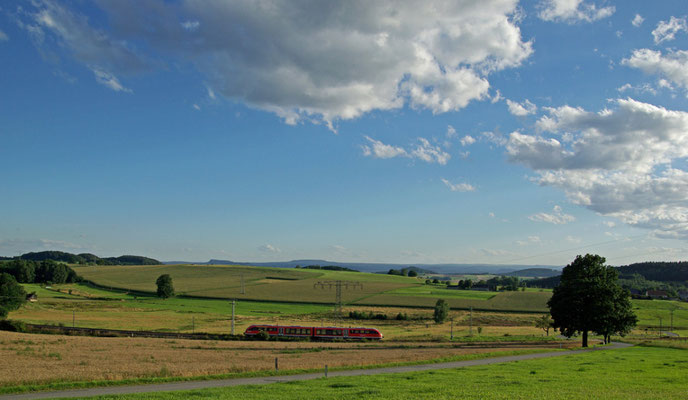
338	290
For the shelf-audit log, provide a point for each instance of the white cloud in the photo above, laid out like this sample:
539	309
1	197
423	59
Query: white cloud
308	62
557	217
107	79
459	187
573	239
609	224
572	11
529	241
673	65
191	26
268	248
618	163
432	154
644	88
451	132
521	109
494	138
93	47
3	37
491	214
637	20
497	97
377	149
667	30
196	107
424	150
467	140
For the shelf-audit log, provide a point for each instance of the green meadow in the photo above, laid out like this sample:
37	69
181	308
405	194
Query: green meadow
631	373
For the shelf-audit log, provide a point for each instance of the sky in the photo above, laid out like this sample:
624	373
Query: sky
491	131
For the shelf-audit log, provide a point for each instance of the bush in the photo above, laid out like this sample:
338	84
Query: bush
402	317
12	326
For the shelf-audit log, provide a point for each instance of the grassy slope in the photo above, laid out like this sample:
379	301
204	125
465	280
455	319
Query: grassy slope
634	373
299	285
650	311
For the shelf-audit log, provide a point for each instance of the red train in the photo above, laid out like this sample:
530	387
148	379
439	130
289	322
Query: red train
315	333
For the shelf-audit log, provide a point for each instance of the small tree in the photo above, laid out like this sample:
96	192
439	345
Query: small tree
165	288
545	323
12	294
413	274
441	311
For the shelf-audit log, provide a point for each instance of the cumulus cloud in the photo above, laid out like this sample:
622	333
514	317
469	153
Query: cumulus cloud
429	153
451	132
618	162
268	248
637	20
667	30
377	149
572	11
672	66
423	150
321	62
459	187
521	109
557	217
467	140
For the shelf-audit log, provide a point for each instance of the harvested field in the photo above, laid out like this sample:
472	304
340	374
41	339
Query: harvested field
40	359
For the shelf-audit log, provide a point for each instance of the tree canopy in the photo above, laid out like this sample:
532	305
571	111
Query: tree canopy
12	294
165	288
589	299
441	311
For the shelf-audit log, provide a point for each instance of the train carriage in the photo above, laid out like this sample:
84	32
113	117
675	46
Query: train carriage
315	333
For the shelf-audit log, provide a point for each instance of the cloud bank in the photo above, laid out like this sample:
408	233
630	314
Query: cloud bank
310	60
623	162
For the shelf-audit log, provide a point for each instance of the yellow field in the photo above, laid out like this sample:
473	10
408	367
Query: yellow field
40	359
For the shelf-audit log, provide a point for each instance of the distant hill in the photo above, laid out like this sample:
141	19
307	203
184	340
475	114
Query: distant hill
467	269
87	258
534	273
657	271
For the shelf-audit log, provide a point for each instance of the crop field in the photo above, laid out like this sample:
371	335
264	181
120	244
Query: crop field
296	285
46	359
632	373
96	308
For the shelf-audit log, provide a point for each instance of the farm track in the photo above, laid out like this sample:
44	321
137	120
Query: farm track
198	385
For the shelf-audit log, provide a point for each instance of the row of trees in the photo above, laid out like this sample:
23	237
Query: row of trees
48	271
403	272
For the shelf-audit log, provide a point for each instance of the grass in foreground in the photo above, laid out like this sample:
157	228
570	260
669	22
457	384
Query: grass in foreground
633	373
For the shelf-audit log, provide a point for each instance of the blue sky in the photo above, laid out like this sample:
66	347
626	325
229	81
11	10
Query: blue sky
475	132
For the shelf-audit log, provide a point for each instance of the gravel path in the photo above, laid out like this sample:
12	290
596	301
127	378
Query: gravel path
194	385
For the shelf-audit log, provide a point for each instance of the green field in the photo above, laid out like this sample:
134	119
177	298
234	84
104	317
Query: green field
632	373
295	285
649	313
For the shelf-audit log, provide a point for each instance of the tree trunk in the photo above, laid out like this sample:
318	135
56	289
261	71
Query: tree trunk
585	338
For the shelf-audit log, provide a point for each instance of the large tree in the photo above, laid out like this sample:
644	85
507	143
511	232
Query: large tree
165	288
12	294
589	299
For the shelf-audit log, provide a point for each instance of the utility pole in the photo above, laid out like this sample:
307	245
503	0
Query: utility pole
233	305
338	290
451	333
471	322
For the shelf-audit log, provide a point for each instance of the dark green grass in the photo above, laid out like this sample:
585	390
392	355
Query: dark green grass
633	373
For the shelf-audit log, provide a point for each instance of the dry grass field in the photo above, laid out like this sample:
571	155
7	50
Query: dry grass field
42	359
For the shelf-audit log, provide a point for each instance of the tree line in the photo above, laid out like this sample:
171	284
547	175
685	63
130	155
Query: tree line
47	271
84	258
